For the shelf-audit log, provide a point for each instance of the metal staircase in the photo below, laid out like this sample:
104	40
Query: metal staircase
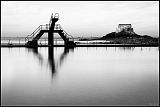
37	33
67	38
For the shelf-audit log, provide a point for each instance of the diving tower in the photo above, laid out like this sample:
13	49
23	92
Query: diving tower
51	28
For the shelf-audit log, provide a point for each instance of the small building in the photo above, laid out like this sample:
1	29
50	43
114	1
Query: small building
124	28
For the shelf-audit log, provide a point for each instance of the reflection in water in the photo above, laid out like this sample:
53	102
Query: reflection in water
64	54
85	77
126	48
51	60
37	54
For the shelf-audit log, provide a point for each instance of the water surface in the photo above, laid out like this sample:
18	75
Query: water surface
80	76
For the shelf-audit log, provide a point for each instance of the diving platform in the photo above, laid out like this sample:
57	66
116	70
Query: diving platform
51	28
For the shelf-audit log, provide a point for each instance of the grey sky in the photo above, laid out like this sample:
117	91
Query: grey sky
79	18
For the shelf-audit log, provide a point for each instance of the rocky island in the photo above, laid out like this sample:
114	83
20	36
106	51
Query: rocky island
125	38
124	34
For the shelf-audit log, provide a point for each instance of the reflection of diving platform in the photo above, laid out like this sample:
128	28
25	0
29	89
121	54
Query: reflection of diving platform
53	65
50	28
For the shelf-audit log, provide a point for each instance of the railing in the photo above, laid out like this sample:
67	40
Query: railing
55	16
41	27
32	34
58	27
12	40
72	39
68	36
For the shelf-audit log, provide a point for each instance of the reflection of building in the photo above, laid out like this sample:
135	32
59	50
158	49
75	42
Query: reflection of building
125	28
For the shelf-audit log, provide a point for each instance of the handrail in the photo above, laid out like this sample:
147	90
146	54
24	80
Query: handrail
36	31
56	15
50	20
71	37
50	23
32	34
68	36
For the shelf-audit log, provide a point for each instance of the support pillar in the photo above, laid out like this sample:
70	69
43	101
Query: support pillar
51	29
50	38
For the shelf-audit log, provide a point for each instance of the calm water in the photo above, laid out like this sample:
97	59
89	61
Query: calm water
80	76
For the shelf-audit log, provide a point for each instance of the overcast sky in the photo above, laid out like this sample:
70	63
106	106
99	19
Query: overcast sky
80	18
